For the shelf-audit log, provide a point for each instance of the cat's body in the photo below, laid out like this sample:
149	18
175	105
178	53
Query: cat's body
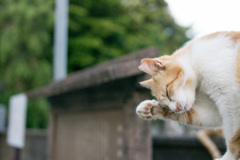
199	85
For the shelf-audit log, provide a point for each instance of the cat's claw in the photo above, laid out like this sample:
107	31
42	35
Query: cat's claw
145	109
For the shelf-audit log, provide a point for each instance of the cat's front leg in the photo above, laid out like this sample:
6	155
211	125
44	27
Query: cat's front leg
231	127
151	109
203	113
232	136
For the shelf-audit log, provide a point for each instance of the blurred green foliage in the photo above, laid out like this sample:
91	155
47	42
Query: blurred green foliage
26	52
105	29
98	31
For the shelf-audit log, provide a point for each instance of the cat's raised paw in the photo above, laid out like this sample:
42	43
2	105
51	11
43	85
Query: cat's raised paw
145	109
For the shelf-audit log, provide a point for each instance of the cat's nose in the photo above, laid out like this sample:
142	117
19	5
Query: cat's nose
177	109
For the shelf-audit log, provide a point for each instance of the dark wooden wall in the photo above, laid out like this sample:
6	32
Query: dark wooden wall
182	148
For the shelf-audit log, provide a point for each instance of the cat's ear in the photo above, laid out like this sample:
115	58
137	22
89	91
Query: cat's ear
147	83
150	66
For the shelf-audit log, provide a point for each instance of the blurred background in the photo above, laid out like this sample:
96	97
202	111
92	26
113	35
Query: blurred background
98	31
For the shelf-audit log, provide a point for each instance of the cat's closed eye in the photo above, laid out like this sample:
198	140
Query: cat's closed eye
167	94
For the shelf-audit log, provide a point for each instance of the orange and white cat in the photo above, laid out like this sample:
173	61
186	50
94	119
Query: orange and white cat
199	85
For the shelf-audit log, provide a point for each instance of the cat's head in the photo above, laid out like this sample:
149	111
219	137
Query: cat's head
170	83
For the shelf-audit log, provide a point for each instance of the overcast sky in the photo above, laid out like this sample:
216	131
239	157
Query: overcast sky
206	16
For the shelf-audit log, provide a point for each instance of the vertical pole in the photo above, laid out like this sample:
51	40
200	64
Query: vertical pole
17	153
60	39
2	118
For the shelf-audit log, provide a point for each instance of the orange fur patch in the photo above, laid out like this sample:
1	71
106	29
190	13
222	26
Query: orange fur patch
237	68
234	36
170	86
164	58
147	83
184	50
235	144
212	35
169	80
189	84
191	117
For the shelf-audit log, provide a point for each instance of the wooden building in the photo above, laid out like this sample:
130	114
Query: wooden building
93	112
